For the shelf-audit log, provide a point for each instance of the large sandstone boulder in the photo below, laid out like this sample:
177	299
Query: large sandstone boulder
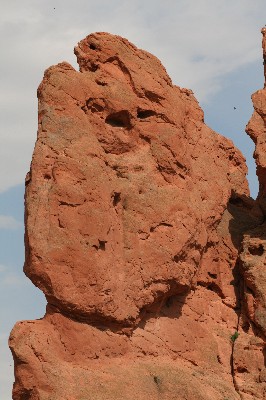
135	213
126	184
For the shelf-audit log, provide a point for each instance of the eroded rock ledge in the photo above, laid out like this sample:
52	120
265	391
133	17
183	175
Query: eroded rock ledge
135	218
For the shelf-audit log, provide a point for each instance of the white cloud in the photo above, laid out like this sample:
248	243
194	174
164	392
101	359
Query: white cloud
9	222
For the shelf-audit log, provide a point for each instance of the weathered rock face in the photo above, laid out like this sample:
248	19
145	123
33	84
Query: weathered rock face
123	191
249	354
135	214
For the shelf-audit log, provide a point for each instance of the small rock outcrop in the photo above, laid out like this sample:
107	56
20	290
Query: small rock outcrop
141	233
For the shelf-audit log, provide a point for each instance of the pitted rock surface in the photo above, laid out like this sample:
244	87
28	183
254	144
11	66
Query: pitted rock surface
135	214
126	184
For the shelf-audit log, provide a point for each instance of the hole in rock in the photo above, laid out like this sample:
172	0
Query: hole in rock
93	67
213	276
116	198
219	359
157	380
47	176
93	106
169	301
241	370
256	250
181	166
246	326
213	287
138	168
101	83
177	258
153	96
146	138
120	119
92	46
142	114
102	244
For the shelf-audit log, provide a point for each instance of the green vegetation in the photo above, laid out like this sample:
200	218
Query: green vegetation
234	336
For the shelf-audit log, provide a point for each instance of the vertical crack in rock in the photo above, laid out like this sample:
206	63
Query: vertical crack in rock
233	339
141	233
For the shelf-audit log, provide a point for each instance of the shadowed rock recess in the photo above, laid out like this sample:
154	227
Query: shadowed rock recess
141	233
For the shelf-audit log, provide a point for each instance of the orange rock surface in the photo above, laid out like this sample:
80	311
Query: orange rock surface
135	217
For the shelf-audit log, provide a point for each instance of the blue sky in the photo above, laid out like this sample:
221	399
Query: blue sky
210	46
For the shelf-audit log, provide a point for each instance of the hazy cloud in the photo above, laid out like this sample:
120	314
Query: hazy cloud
9	222
9	277
2	269
13	279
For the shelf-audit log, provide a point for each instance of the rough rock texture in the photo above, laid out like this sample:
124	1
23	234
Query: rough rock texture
135	215
250	351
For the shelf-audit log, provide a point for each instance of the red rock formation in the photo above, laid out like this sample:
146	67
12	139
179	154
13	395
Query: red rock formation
249	352
135	213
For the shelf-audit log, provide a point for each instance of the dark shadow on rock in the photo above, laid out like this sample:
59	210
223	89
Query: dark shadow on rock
246	215
169	307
